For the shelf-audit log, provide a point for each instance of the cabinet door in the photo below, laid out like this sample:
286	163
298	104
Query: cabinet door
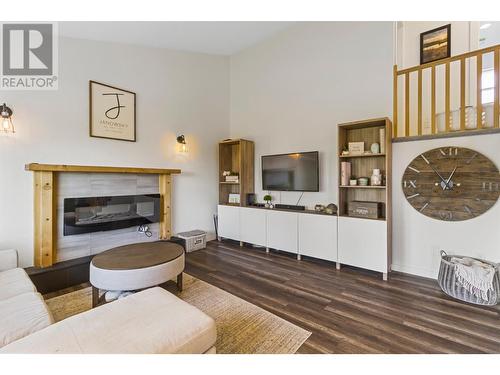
318	236
253	226
363	243
282	231
229	222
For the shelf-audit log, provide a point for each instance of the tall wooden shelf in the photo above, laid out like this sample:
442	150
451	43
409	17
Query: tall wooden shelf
237	156
363	165
378	255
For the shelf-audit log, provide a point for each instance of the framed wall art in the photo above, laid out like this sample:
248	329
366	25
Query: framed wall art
435	44
111	112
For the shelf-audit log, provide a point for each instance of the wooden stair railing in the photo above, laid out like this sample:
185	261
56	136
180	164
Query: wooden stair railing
448	130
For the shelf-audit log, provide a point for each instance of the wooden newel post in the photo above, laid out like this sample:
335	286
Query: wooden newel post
44	218
165	206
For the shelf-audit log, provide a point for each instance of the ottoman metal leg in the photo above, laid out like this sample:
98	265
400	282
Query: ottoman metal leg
95	296
179	282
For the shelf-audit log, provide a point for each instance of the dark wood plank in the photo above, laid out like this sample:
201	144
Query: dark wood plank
351	310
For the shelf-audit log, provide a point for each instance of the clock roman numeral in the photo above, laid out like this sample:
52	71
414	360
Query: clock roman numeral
414	169
413	196
446	215
410	183
424	206
490	186
425	159
452	151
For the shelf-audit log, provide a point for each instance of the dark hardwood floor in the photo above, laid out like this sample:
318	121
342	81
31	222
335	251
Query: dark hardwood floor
351	310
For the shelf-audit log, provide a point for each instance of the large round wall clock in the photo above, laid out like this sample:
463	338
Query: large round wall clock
451	183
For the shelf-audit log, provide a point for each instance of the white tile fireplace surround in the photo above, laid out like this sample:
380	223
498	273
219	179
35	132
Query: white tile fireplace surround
76	185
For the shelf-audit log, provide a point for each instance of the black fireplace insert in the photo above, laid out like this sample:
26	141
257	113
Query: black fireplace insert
95	214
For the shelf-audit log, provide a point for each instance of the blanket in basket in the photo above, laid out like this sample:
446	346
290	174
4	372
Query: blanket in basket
475	276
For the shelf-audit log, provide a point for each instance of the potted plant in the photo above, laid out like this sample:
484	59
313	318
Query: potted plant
268	199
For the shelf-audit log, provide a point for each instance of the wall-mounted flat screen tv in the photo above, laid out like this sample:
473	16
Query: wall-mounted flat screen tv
291	172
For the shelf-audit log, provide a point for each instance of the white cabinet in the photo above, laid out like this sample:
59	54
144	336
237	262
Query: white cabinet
318	236
282	232
295	232
363	243
229	222
253	226
345	240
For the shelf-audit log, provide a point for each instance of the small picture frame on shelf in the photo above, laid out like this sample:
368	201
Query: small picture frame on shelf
356	148
234	198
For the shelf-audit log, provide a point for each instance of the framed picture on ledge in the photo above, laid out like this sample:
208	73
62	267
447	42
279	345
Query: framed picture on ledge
111	112
435	44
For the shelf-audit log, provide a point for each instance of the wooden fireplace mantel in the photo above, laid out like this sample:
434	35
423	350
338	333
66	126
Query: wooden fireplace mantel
45	202
96	169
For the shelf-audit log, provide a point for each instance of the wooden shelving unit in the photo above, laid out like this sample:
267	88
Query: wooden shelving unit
364	164
237	156
365	242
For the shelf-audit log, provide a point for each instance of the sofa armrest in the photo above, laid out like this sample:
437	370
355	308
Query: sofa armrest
8	259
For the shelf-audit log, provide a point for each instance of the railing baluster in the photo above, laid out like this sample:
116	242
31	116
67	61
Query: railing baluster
462	93
407	104
497	88
433	100
395	101
479	88
447	98
420	102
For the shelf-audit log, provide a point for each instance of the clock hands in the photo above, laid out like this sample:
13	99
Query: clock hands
447	182
441	177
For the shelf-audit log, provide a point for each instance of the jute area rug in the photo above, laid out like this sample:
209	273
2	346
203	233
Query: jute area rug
242	328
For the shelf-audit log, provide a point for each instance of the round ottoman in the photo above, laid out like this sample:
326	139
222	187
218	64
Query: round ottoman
136	266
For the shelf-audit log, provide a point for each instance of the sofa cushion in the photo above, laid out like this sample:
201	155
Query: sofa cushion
14	282
21	316
151	321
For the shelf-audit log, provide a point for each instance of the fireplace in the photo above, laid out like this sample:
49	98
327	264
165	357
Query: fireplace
96	214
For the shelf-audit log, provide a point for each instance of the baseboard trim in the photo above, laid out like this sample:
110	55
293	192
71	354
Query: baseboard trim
417	271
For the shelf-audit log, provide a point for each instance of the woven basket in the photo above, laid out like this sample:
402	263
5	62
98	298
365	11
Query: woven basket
447	282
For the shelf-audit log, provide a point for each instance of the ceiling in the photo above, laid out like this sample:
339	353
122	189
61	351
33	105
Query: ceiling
222	38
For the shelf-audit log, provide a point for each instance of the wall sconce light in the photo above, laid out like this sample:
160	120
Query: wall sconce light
6	114
181	140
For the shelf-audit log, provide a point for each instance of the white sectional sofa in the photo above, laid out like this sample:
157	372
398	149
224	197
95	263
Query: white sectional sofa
151	321
22	310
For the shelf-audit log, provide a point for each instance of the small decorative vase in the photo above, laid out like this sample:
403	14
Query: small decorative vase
376	178
267	205
375	148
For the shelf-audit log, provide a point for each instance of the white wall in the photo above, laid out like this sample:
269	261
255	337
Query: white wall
289	92
176	93
417	238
